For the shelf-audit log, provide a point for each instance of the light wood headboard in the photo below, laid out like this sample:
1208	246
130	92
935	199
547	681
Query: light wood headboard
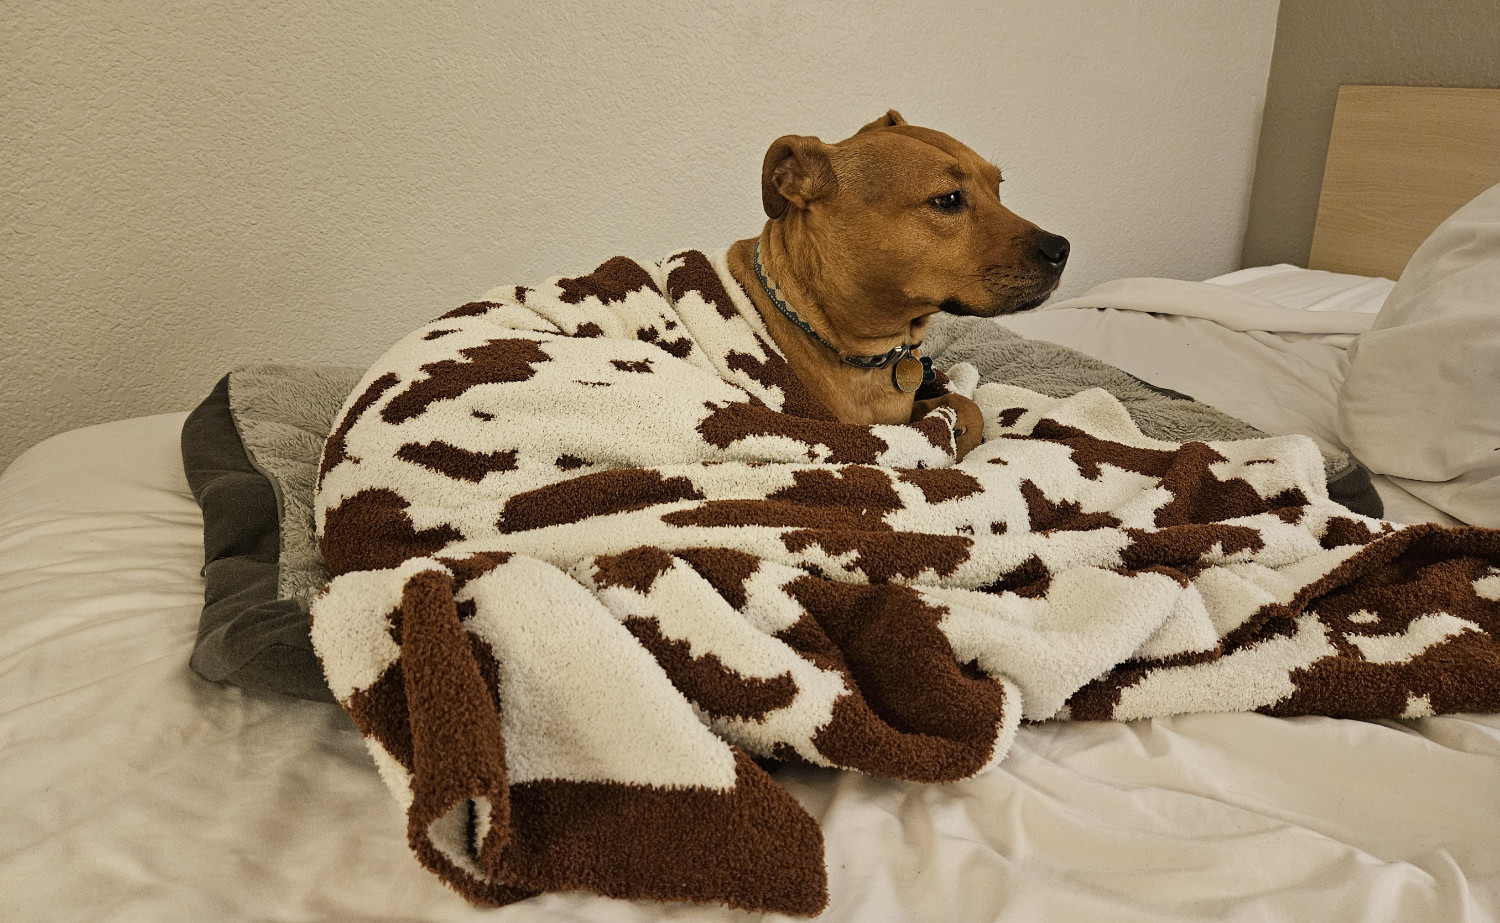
1400	161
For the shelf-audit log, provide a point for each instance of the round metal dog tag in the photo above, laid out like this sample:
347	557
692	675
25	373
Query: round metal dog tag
907	374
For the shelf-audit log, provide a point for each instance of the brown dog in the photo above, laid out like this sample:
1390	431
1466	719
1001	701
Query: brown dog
866	240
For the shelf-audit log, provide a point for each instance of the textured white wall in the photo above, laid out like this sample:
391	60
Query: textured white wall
191	186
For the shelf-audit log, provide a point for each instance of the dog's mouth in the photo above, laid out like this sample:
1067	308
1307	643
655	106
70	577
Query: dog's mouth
1041	296
1035	302
963	309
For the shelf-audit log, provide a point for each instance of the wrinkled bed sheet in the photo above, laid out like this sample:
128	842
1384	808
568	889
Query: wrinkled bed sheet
1278	380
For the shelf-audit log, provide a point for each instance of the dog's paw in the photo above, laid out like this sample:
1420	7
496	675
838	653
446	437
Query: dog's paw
968	423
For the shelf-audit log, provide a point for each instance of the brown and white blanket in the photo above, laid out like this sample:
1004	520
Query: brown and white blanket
598	552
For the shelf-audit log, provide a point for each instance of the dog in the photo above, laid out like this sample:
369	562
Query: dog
865	240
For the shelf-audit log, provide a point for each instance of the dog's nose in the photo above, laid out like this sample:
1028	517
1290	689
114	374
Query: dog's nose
1054	250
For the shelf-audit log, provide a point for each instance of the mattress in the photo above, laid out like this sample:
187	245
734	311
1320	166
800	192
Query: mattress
130	789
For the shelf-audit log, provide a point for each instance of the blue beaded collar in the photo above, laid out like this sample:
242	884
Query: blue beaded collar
891	358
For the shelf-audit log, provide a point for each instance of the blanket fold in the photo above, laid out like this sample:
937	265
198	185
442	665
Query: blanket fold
597	551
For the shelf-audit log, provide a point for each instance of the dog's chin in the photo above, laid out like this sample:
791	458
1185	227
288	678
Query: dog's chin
1033	303
1011	305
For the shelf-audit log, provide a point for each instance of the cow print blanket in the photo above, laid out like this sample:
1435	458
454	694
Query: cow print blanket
601	562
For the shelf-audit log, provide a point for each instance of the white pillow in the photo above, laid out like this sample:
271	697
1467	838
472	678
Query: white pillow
1421	400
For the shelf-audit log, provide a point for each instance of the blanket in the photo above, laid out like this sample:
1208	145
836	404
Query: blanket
601	560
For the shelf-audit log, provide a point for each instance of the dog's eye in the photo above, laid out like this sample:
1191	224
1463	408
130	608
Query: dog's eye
948	202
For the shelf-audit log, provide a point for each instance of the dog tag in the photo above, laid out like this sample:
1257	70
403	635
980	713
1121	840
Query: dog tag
908	374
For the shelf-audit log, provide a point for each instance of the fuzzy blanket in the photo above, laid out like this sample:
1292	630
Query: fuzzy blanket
600	557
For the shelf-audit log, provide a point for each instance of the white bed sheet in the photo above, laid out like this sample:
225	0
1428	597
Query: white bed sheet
1310	289
1279	380
132	790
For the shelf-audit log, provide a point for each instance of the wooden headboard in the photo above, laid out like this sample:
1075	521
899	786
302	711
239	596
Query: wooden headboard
1400	161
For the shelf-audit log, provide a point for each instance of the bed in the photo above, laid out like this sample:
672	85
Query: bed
134	789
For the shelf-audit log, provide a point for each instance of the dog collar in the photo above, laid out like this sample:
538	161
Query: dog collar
905	362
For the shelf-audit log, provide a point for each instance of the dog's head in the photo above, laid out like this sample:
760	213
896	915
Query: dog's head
907	215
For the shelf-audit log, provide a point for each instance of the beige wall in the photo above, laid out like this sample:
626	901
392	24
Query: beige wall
1321	44
192	186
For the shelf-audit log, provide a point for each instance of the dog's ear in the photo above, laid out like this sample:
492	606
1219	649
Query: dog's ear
796	171
889	120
